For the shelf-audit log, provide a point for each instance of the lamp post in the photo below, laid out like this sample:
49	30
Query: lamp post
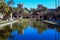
55	3
58	2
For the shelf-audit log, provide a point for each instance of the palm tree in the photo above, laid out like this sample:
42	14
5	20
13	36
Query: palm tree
4	7
57	3
10	4
1	5
45	9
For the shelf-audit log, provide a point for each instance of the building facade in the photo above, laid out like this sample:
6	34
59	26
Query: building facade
20	10
41	10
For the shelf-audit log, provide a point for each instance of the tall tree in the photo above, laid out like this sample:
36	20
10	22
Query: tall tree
4	7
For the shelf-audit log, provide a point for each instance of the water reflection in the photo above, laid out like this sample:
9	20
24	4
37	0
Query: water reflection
20	26
39	25
34	30
5	32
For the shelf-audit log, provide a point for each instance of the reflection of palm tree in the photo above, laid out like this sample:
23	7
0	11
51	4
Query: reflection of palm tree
5	32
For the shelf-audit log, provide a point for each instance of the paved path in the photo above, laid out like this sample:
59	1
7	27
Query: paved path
8	23
50	22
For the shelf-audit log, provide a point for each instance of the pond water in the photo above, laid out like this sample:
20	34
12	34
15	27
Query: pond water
31	30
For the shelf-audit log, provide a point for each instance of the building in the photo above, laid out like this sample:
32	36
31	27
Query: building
20	6
41	10
39	7
20	10
51	10
38	12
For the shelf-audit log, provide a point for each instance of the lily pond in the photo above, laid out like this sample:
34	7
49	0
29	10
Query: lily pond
30	30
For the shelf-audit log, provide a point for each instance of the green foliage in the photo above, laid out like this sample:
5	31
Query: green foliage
4	8
26	12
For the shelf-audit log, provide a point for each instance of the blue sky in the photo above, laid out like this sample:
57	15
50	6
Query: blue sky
33	3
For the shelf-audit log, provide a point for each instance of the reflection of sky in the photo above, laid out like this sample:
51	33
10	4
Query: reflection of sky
34	3
31	33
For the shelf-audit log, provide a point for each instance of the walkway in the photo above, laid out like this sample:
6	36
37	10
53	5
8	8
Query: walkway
7	23
52	23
